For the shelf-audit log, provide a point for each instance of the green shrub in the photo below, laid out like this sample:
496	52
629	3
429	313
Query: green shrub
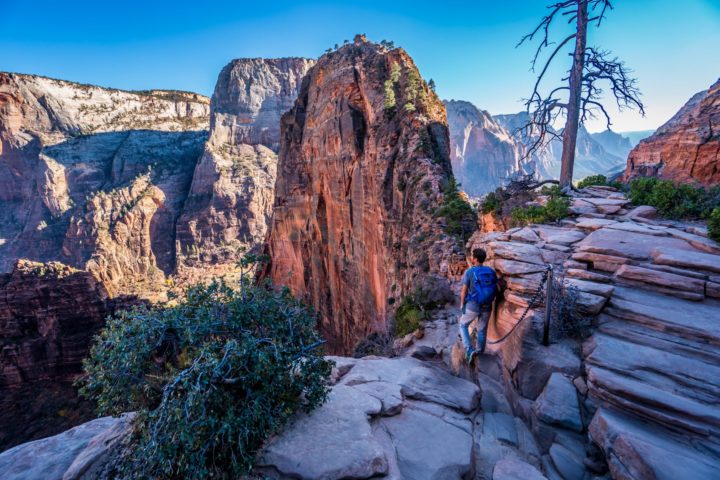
714	224
491	203
593	180
409	316
556	208
211	378
672	200
460	216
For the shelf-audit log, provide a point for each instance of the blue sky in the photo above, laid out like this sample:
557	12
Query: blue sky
467	47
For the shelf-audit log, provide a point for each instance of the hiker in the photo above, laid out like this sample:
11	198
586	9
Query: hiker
479	286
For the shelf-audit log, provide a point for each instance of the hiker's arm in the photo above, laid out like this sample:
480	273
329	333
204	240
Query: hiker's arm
463	293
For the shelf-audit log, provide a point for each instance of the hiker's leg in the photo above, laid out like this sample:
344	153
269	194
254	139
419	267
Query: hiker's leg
463	324
483	321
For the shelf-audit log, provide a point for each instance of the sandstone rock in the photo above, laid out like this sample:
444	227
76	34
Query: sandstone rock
562	236
558	405
334	441
566	462
591	287
525	235
389	394
643	212
515	251
50	458
353	223
540	362
511	267
636	449
515	469
664	279
594	223
626	244
420	455
683	149
686	258
229	205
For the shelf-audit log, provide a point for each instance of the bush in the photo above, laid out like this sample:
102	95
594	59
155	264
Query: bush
593	180
556	208
566	317
491	203
211	378
409	316
714	224
672	200
460	216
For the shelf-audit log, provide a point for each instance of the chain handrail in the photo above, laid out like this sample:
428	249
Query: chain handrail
527	309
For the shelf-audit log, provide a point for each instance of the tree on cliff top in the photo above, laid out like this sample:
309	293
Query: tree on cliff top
211	378
578	98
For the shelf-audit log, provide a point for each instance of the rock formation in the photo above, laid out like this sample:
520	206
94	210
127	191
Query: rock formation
48	316
230	201
687	147
71	157
364	159
483	153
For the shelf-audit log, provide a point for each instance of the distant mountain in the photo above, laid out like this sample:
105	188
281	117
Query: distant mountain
591	157
483	153
614	143
636	136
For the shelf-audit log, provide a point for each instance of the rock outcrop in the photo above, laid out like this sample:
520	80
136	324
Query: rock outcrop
687	147
48	316
70	157
364	159
229	204
483	153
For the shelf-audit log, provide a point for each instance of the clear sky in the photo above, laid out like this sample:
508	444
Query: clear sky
467	47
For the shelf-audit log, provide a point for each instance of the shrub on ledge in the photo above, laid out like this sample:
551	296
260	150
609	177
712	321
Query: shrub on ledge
211	378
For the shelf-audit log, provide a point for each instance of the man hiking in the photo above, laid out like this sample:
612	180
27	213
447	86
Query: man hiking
479	286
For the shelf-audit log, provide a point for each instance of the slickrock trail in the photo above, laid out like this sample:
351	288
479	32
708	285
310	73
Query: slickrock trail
636	400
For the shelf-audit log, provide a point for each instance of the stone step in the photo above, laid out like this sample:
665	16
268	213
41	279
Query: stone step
635	449
695	321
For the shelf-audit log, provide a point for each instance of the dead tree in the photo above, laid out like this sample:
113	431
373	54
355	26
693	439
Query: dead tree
578	97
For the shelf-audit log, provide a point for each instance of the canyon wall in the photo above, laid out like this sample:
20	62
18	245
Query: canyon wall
364	159
687	147
229	204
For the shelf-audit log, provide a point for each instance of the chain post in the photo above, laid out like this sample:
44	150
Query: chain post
548	306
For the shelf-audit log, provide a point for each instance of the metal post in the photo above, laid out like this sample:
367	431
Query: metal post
548	306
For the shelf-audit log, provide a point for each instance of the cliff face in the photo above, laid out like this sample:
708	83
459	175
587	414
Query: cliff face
363	161
614	143
483	153
230	200
687	147
65	146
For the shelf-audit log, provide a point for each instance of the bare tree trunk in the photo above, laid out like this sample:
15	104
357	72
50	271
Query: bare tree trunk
573	110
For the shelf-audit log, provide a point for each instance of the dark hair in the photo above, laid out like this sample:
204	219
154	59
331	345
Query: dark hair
479	255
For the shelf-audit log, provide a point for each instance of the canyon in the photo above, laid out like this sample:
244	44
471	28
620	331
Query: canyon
337	170
687	147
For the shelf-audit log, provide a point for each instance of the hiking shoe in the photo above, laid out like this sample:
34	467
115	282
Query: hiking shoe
470	355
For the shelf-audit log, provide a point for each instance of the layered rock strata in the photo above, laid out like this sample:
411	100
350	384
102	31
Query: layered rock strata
687	147
229	204
364	159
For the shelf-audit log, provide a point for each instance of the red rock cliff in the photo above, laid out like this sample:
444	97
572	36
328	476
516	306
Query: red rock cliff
363	161
687	147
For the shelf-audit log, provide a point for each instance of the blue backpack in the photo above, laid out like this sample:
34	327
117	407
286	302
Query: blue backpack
484	285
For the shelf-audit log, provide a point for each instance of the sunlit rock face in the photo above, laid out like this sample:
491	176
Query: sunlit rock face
229	204
364	158
687	147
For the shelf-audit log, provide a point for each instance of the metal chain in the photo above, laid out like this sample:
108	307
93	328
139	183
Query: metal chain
530	305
